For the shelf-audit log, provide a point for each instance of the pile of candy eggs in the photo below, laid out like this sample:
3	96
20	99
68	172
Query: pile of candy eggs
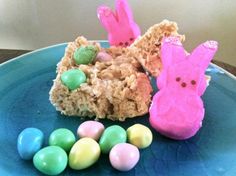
73	78
94	140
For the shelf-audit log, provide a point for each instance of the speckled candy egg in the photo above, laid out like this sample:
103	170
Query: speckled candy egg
84	153
85	54
91	129
29	141
111	136
63	138
51	160
139	135
124	157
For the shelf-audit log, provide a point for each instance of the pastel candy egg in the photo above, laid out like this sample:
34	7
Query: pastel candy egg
51	160
29	141
84	153
103	57
124	157
139	135
112	136
91	129
85	54
73	78
63	138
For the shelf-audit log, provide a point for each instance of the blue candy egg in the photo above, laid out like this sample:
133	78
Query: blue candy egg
29	141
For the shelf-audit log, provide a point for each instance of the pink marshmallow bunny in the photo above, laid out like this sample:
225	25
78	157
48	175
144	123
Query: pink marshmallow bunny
121	28
177	110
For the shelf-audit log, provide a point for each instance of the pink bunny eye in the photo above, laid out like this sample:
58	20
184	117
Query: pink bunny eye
178	79
193	82
131	39
120	43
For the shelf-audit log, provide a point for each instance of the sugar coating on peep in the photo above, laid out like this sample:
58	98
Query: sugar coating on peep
211	44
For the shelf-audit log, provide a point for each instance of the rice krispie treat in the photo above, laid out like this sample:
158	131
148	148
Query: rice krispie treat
149	45
115	87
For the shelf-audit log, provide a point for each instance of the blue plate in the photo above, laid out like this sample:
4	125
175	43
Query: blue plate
25	82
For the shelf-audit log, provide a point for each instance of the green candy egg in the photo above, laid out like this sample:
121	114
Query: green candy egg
85	54
73	78
63	138
111	136
51	160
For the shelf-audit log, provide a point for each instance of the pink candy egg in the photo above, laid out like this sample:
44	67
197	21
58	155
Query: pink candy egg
124	157
103	57
91	129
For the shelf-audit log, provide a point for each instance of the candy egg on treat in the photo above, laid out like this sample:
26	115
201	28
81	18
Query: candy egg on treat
85	54
103	56
73	78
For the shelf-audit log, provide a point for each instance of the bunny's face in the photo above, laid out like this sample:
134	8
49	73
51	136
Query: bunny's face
184	77
122	37
185	72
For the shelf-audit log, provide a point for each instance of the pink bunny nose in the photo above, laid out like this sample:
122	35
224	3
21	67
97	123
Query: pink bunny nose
183	84
178	79
193	82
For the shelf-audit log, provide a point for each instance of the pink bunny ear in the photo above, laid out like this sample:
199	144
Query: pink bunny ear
107	18
123	11
125	17
203	54
172	51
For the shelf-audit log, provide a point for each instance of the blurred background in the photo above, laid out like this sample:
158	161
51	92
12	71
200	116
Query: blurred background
32	24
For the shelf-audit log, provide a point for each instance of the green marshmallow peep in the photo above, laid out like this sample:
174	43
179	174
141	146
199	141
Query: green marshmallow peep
85	54
73	78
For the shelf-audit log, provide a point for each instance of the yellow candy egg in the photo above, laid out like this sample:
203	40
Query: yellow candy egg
139	135
84	153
